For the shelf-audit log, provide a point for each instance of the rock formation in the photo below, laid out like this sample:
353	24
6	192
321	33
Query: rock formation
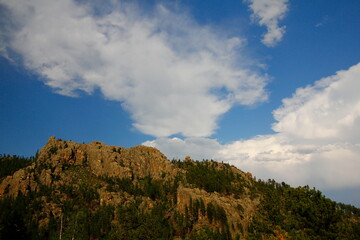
196	199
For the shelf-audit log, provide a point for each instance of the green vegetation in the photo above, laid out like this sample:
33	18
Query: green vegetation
147	208
302	213
135	224
10	164
206	233
212	177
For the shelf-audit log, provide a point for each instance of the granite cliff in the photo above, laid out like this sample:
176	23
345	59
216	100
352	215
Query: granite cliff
137	193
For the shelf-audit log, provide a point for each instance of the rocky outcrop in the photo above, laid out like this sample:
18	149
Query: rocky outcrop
139	161
102	160
102	191
63	167
239	211
21	181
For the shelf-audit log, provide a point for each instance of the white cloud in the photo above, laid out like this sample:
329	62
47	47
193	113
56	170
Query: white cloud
198	148
317	141
328	166
268	13
164	68
328	111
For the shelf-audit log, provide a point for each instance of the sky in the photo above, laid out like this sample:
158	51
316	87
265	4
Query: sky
269	86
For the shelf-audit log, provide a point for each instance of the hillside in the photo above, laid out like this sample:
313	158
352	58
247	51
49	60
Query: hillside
94	191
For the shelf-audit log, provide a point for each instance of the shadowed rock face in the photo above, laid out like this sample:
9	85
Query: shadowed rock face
21	181
238	210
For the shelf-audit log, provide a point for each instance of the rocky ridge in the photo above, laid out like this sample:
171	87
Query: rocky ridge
56	155
56	166
95	191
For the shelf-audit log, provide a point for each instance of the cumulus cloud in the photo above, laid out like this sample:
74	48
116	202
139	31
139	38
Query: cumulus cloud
268	13
172	75
328	166
329	110
317	139
199	148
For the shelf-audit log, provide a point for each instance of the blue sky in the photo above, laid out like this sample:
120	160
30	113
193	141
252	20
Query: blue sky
268	86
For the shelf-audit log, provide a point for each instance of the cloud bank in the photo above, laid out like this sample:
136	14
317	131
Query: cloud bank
268	13
172	75
317	140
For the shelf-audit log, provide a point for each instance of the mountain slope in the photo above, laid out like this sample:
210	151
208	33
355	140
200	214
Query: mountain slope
95	191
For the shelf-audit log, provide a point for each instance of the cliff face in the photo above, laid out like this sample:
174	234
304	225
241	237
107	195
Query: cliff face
66	163
137	193
100	159
139	161
238	211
